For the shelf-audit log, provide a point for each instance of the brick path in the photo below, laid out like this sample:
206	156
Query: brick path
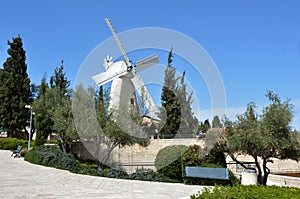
20	179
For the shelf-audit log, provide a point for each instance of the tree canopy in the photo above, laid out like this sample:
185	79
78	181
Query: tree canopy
264	136
14	89
176	112
53	109
170	113
100	129
216	123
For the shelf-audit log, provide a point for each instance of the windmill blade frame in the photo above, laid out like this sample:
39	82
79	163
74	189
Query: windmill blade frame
144	93
109	24
147	62
118	70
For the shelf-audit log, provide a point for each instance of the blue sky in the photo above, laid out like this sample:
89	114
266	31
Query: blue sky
255	44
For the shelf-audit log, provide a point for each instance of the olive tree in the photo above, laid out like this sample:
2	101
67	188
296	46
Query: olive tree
264	136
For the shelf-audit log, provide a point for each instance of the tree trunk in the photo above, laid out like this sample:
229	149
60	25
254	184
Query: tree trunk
9	134
63	144
64	147
236	160
259	175
107	155
266	171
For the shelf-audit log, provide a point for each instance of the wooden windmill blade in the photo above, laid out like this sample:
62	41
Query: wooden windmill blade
147	99
127	61
145	63
118	70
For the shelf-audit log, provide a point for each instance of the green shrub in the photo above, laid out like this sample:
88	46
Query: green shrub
248	192
150	175
52	156
234	179
193	157
88	163
57	142
215	156
11	143
104	172
168	161
117	173
23	152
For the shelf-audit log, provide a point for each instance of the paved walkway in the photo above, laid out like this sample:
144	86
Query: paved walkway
20	179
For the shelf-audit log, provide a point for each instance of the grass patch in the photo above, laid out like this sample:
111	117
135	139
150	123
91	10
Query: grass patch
248	192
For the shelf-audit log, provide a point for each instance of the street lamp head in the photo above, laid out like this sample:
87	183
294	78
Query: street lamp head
28	106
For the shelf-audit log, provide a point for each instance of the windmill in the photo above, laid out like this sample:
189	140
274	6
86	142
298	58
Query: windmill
125	80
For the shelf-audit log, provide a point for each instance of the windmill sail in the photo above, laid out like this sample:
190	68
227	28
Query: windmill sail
145	63
117	70
109	24
125	81
147	99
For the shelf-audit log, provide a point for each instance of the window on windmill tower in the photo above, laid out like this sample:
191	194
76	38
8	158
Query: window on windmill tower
132	101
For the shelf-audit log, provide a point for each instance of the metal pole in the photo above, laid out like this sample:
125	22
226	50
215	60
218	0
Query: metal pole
30	128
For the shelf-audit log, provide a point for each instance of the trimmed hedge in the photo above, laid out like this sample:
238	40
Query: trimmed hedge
11	143
52	156
150	175
248	192
168	161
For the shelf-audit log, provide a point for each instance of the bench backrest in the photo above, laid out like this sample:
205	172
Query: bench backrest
19	148
207	172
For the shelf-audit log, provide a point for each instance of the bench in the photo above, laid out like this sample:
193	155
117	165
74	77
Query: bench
16	153
207	173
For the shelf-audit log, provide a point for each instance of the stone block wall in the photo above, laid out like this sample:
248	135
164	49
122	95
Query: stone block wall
278	166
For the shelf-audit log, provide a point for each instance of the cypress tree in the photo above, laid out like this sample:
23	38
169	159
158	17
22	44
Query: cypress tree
43	121
14	89
189	123
51	105
216	123
170	102
59	80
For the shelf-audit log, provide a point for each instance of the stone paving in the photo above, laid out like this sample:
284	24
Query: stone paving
20	179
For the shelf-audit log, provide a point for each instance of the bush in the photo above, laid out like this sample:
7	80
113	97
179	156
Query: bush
215	159
52	156
104	172
168	161
12	143
150	175
234	180
193	157
23	152
54	142
215	156
248	192
117	173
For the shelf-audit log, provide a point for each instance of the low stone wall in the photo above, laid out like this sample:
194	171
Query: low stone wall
278	166
136	156
280	180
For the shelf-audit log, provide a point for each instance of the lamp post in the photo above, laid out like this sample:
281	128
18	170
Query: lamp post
30	124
